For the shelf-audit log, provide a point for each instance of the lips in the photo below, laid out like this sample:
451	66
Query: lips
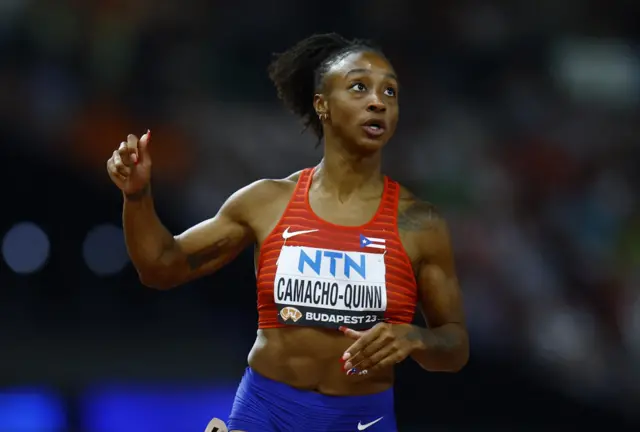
374	127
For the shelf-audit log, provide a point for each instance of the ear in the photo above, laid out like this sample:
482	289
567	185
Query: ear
320	104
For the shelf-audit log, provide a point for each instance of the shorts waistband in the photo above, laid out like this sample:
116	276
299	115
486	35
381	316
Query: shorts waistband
265	384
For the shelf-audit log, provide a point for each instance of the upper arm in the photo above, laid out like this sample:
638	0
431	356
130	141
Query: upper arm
439	292
211	244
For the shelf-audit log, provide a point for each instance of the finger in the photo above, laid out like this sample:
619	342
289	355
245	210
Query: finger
132	143
366	338
119	166
128	156
113	172
358	345
367	362
388	362
350	333
143	147
119	177
367	352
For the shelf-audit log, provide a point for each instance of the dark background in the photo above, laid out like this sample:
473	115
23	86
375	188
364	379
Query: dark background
520	120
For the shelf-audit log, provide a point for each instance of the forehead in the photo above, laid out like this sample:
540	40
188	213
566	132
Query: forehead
366	62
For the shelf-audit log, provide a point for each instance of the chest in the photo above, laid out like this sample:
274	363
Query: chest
337	223
355	212
304	245
321	262
325	275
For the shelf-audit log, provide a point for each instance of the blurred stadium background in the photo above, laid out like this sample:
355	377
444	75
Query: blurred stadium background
520	120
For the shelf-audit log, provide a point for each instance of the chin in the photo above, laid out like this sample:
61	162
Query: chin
372	144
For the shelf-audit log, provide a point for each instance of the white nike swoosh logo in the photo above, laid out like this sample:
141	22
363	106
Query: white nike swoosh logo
362	427
286	234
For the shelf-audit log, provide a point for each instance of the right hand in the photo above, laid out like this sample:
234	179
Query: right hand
130	166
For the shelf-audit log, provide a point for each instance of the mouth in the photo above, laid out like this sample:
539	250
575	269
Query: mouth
374	128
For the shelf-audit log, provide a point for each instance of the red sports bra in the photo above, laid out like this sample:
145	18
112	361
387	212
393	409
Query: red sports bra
315	273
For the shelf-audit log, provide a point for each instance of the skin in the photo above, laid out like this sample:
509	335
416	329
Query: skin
346	190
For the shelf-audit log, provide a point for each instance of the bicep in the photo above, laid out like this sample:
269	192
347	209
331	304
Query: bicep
440	294
209	245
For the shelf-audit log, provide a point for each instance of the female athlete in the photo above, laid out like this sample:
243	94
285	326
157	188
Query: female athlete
343	254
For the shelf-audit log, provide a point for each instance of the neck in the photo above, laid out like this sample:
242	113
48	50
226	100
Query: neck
344	172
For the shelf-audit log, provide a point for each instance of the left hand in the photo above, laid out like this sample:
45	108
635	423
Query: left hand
380	347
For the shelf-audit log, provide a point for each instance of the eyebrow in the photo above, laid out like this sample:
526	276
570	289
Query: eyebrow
368	72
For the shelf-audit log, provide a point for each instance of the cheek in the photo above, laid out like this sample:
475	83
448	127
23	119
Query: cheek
394	116
344	114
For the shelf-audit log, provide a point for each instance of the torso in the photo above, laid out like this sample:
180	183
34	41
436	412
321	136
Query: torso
308	357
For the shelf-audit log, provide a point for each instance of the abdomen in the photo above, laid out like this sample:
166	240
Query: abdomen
310	359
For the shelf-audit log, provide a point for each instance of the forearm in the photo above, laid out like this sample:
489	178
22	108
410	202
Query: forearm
441	349
146	237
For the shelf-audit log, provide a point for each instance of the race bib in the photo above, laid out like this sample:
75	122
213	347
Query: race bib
329	288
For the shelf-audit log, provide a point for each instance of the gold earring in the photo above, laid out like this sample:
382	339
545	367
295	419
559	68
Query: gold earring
323	116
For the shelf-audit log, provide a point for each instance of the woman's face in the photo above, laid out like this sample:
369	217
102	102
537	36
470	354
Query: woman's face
360	96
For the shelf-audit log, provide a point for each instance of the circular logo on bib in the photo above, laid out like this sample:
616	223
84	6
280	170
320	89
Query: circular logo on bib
216	425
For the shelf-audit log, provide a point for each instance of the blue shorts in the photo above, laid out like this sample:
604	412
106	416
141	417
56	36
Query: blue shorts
264	405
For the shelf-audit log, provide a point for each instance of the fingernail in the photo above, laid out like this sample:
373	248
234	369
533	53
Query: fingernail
149	133
346	356
342	329
352	371
348	366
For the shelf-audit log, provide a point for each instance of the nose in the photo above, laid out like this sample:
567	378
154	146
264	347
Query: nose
376	105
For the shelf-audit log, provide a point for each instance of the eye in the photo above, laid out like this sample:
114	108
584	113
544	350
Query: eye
358	87
390	91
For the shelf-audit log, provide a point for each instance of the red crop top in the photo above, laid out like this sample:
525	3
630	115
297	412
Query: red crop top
315	273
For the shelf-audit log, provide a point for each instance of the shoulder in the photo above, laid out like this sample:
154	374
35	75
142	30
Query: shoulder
268	189
422	223
260	195
415	214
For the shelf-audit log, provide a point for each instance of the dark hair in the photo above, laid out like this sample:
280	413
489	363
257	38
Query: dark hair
298	72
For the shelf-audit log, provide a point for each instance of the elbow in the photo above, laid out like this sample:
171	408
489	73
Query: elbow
451	360
461	358
155	279
459	363
159	274
460	354
453	364
156	284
